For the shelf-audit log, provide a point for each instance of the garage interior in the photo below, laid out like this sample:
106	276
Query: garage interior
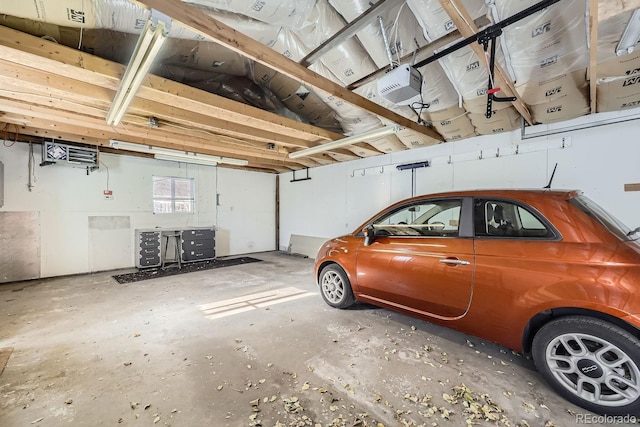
274	117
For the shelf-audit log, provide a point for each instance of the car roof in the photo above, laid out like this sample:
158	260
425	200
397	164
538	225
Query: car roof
507	193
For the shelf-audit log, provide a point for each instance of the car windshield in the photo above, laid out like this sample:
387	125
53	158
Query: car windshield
594	210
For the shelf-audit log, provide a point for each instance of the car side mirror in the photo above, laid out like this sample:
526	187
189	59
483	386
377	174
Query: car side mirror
369	235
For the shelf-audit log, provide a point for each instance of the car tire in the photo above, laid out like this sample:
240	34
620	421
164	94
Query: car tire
335	287
591	363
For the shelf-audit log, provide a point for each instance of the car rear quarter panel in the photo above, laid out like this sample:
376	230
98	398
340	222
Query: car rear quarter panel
510	288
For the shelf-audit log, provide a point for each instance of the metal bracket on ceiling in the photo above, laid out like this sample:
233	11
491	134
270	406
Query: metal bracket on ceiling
300	179
488	38
483	37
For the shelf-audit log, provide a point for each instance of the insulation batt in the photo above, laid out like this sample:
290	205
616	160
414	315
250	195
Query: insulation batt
321	25
434	19
401	28
548	43
285	13
468	71
438	93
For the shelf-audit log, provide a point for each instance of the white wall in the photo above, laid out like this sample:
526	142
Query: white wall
599	161
80	231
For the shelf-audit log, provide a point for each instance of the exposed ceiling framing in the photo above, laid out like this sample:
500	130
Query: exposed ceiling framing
48	90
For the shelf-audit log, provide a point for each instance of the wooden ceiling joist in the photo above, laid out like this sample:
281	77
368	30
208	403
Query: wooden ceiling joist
66	91
462	20
16	46
192	18
350	30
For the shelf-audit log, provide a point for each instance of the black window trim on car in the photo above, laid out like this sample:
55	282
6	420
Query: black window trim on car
556	236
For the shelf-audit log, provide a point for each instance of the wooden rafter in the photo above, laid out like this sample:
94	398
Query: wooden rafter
79	86
462	20
67	62
350	30
421	53
201	23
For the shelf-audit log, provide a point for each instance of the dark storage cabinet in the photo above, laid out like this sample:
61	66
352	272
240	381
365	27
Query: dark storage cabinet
193	244
197	244
149	249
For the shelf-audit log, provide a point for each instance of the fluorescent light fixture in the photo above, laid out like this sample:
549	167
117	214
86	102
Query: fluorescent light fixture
631	34
122	145
375	133
187	159
151	40
176	155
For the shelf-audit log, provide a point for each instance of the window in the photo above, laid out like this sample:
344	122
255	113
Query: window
498	218
173	195
596	212
437	218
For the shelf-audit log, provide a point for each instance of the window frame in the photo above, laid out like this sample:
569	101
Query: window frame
173	199
465	230
555	234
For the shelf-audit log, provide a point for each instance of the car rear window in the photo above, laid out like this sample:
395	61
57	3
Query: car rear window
596	212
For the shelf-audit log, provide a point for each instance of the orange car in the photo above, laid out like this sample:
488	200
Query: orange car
544	272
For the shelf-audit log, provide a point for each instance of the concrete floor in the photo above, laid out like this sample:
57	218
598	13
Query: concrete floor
212	348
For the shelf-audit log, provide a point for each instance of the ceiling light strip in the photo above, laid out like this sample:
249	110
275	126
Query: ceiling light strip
175	155
149	44
375	133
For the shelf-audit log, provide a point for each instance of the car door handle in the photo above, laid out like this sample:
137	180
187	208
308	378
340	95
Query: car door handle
454	261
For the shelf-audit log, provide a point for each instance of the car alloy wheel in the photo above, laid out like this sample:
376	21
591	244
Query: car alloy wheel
592	363
335	287
594	369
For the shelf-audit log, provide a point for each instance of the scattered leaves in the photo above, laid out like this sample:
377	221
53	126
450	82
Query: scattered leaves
292	405
477	407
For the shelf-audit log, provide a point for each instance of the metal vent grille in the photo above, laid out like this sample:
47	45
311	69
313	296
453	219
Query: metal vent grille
53	152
